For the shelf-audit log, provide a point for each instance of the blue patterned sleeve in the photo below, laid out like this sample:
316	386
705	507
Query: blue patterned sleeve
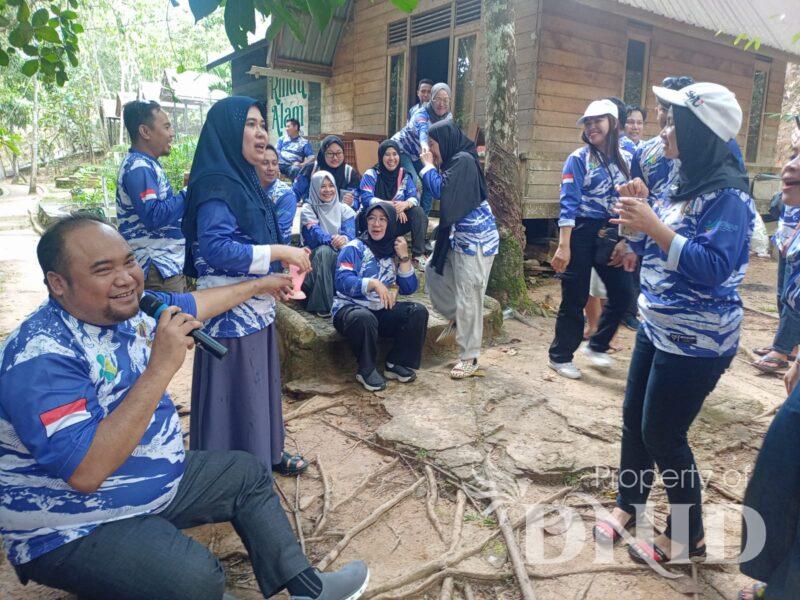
308	150
421	125
216	225
724	231
52	405
636	166
366	190
432	180
300	187
286	207
185	302
141	186
407	283
571	195
347	281
410	190
348	228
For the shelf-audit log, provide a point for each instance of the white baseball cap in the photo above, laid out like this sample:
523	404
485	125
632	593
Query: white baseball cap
598	108
715	105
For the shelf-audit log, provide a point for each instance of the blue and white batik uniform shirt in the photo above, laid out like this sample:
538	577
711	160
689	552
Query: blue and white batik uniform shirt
791	290
414	135
149	214
224	255
406	191
285	202
59	378
293	150
588	187
355	268
477	231
658	172
689	301
787	225
627	144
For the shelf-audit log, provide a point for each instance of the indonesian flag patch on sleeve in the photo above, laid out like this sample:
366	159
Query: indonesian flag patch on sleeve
567	178
347	266
66	415
148	194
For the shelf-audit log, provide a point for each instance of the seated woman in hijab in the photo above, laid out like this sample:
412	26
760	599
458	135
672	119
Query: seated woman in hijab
279	192
330	158
388	181
326	225
232	234
366	308
466	242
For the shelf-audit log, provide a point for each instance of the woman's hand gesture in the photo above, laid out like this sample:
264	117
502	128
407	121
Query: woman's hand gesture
299	257
426	157
635	188
636	214
387	298
278	285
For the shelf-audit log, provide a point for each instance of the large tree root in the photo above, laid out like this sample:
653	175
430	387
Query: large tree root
326	498
515	555
365	483
430	503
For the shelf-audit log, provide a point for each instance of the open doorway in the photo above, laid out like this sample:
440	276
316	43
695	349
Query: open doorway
428	61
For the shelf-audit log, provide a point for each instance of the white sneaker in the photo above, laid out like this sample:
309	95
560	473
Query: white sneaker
568	369
600	360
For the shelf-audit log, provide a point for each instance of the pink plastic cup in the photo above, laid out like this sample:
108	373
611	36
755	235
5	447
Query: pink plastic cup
297	283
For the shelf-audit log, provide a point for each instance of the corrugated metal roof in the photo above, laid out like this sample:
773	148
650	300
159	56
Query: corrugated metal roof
319	46
773	22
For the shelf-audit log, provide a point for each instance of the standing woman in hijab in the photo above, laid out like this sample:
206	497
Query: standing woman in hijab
694	256
366	308
466	242
326	225
330	158
232	234
586	241
413	138
388	181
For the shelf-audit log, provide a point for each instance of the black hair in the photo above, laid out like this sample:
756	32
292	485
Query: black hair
635	108
138	112
50	250
613	143
273	148
675	83
295	121
622	109
428	81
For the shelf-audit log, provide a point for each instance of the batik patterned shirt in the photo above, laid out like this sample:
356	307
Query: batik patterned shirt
59	378
588	187
355	268
791	290
293	150
149	214
406	191
658	172
414	136
787	225
689	301
627	144
285	202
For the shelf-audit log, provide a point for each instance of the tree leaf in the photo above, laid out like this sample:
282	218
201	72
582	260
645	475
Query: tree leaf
239	19
30	50
796	37
69	15
61	78
51	56
77	28
203	8
4	21
23	12
21	35
739	38
4	58
48	34
320	11
40	17
406	5
29	67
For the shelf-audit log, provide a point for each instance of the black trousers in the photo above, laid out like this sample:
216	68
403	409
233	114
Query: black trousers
407	323
575	293
636	288
416	225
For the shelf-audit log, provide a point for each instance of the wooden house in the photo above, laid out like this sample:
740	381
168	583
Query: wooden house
360	74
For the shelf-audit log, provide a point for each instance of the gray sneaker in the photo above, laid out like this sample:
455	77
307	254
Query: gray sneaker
348	583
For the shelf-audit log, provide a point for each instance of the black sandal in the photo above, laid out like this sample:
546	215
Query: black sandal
290	464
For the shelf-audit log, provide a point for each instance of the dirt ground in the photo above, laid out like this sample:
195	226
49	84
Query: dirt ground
515	436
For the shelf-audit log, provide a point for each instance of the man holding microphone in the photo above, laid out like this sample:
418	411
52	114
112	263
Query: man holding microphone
95	481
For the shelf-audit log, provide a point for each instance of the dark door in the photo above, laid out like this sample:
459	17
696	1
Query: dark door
428	61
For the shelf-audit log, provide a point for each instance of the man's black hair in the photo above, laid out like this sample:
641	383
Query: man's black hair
622	113
138	112
636	108
295	121
422	81
51	251
675	83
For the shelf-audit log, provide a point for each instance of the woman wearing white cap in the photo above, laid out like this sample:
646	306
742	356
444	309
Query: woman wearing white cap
694	256
586	240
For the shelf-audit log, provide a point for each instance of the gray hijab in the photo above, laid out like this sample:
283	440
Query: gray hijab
329	215
432	116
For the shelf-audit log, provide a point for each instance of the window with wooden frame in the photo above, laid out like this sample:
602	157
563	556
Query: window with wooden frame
464	74
636	60
395	93
758	101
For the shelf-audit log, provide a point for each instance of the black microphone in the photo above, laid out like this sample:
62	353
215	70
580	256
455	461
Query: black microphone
154	307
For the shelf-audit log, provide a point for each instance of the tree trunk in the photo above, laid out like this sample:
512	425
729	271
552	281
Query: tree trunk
507	281
34	137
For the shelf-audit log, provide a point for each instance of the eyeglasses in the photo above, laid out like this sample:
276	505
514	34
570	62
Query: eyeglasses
377	220
334	154
677	83
441	102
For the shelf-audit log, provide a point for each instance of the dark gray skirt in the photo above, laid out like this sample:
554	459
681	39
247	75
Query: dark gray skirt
236	402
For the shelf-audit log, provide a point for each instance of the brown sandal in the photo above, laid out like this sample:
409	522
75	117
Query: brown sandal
770	365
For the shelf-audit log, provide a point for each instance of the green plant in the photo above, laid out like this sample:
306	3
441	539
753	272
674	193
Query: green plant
179	160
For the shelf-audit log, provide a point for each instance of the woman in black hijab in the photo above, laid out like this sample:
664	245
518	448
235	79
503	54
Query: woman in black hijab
466	243
388	181
694	252
330	158
365	307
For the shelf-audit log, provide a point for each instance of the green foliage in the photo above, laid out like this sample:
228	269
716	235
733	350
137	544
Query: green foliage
179	161
240	16
43	35
10	140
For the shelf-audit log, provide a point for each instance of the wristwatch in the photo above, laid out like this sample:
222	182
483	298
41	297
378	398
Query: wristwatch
404	259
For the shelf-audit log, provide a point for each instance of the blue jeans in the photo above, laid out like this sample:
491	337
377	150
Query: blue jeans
148	557
664	394
774	493
413	167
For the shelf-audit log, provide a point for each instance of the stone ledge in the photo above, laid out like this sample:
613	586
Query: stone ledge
311	347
